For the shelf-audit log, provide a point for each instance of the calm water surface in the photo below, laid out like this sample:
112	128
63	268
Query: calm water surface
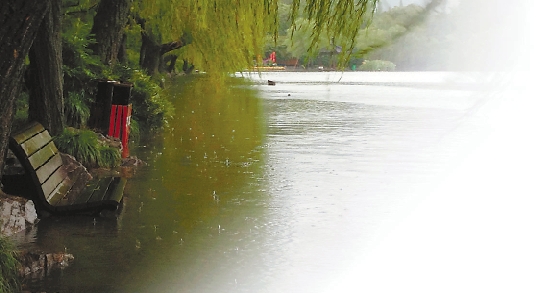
326	182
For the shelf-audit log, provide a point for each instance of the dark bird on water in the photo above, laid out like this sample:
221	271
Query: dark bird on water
271	82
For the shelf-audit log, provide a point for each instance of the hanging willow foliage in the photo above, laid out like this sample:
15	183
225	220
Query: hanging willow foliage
228	35
339	20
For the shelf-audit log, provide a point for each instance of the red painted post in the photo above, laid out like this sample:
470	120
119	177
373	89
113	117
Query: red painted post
118	122
101	107
113	98
121	98
112	116
126	131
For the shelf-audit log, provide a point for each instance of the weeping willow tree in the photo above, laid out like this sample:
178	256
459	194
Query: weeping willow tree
345	30
217	36
338	21
228	35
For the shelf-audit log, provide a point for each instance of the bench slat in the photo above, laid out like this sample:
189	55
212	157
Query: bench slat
28	132
62	189
90	188
80	183
51	184
117	189
44	171
100	193
43	155
36	142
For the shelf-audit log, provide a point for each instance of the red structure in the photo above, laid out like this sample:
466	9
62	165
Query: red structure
272	57
112	110
120	113
119	125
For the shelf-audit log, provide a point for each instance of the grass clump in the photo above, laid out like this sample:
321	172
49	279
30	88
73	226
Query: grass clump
83	145
109	157
86	148
9	281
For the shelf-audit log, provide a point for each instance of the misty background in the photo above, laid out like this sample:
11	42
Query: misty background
469	35
458	35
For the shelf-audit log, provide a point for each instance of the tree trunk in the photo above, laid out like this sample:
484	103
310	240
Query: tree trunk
187	67
44	78
121	55
154	53
168	63
109	22
151	53
19	23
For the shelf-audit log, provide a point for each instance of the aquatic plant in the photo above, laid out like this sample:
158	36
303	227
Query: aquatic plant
9	281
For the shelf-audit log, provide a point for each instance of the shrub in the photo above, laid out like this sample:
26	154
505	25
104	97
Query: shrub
82	69
9	281
76	109
21	111
87	149
109	157
377	65
83	145
151	107
80	66
134	129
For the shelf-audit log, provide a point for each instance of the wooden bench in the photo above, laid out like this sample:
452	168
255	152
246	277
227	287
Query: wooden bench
55	186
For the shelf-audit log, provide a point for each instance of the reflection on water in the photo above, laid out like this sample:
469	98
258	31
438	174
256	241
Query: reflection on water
297	187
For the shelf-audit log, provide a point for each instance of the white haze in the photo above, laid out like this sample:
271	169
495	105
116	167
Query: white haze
480	229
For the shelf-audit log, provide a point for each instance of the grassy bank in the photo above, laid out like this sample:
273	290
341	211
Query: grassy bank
9	281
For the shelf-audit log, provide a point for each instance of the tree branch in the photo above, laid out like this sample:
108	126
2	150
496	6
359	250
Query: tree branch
167	47
81	11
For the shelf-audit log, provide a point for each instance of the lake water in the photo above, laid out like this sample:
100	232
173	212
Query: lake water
325	182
